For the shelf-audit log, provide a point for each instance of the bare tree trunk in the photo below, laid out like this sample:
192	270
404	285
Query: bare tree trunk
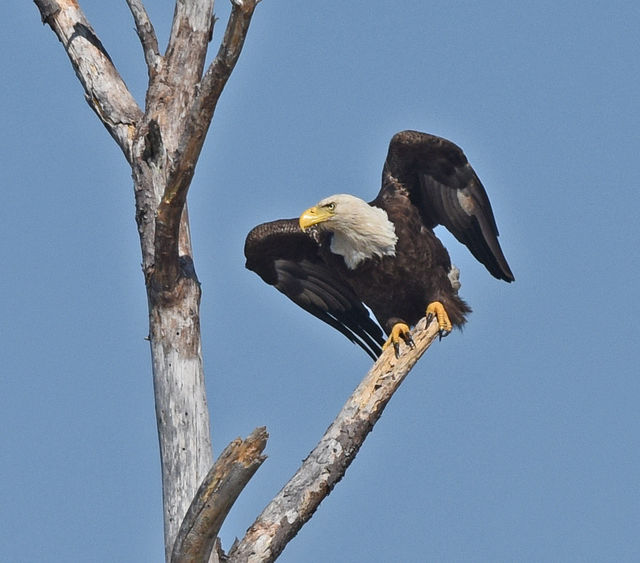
162	145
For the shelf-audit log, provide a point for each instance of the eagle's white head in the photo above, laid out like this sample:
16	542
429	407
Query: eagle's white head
360	231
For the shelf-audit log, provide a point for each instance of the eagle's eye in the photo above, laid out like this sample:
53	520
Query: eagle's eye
331	206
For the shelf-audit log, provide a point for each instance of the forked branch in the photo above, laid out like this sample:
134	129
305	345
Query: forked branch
328	462
192	138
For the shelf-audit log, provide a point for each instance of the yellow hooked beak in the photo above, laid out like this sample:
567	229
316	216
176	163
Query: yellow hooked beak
315	215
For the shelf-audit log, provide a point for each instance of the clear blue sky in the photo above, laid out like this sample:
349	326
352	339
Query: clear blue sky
518	439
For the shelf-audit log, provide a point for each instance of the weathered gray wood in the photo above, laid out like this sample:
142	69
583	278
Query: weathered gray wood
146	34
180	398
105	91
172	286
174	293
215	497
162	145
328	462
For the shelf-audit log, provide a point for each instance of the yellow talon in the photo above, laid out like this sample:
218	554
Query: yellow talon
400	331
437	310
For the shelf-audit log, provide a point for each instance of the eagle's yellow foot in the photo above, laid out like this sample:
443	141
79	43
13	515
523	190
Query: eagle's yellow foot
400	331
437	310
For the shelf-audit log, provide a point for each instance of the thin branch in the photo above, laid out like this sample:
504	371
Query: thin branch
147	35
191	141
215	497
105	91
327	463
220	69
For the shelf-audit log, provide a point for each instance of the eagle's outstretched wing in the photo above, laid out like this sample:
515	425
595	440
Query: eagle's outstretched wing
287	258
441	183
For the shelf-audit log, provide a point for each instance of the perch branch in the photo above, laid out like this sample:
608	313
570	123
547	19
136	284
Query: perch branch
105	91
215	497
147	35
281	520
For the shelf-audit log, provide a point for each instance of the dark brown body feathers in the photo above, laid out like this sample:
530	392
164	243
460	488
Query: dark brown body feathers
426	181
392	286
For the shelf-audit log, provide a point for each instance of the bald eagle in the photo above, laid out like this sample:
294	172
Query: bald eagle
345	253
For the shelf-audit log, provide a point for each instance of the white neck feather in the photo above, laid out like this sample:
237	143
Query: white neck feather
360	231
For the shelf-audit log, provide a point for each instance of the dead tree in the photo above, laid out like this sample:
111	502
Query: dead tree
162	143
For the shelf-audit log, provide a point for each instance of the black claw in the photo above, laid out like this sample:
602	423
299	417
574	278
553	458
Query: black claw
396	349
409	340
442	333
429	318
